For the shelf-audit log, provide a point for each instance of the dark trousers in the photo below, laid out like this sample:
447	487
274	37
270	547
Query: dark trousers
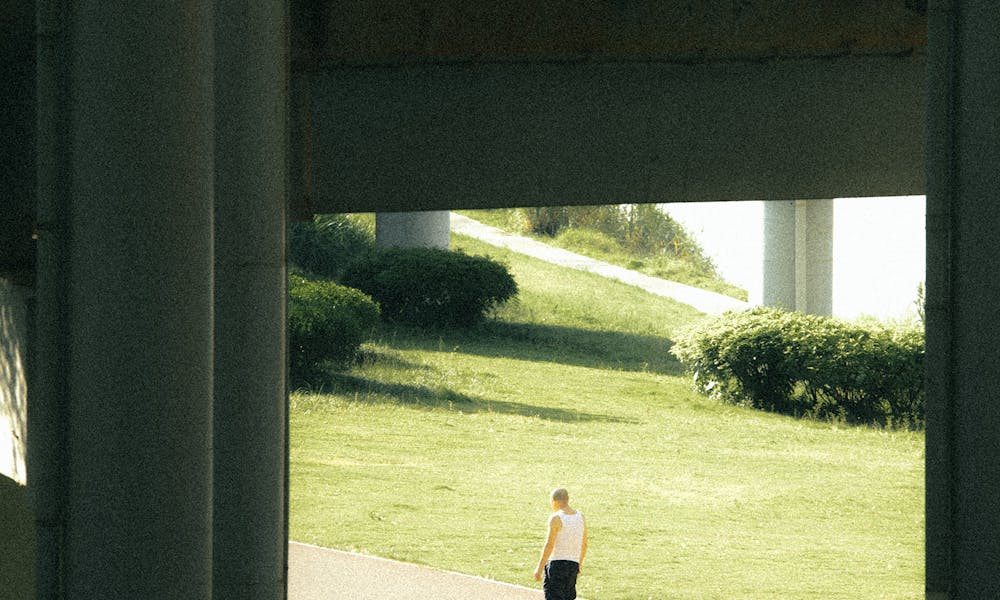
560	580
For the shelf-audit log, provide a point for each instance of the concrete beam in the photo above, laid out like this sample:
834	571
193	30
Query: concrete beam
367	31
436	137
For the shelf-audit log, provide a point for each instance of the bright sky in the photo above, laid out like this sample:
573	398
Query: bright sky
878	249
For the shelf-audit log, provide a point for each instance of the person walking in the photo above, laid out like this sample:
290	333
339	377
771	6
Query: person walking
565	546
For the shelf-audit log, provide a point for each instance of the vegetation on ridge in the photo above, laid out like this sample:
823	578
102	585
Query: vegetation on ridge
640	237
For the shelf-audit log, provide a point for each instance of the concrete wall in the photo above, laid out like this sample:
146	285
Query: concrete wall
13	380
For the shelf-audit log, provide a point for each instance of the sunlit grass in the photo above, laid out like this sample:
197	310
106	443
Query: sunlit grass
442	446
594	244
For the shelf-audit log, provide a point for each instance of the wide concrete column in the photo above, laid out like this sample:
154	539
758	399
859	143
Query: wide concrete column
963	366
138	435
250	476
429	229
798	255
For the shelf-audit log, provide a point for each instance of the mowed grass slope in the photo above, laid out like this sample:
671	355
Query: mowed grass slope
442	447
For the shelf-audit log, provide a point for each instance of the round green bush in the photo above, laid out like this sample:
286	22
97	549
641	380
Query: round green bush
327	322
426	286
802	364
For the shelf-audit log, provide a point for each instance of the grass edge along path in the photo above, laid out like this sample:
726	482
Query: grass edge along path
441	448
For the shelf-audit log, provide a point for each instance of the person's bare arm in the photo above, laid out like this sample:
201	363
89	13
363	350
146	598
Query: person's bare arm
555	524
583	547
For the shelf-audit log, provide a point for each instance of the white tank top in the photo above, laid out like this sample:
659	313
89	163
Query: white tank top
569	540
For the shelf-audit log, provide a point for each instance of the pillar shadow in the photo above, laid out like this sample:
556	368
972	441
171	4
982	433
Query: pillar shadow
365	390
545	343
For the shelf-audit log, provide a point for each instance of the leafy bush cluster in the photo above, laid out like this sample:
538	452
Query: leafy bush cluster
327	322
808	365
325	245
426	286
642	229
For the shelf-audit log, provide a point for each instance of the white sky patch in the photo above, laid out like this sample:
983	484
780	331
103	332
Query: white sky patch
878	249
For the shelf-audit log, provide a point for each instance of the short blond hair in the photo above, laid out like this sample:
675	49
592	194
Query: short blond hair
560	495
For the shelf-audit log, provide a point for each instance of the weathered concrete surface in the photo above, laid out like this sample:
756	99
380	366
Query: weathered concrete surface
366	31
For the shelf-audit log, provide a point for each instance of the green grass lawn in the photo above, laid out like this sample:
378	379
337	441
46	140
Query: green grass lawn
442	446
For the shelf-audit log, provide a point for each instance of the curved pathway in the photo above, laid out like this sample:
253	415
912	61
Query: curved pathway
703	300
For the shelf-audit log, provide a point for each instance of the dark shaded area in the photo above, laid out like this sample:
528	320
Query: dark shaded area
570	346
370	390
17	139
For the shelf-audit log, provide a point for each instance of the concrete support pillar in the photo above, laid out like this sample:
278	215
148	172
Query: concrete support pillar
814	256
963	366
138	502
798	255
779	254
48	358
429	229
250	468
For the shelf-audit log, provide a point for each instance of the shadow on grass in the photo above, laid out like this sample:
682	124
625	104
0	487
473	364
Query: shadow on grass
365	390
545	343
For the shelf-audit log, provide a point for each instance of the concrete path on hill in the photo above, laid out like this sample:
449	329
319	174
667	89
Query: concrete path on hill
702	300
316	573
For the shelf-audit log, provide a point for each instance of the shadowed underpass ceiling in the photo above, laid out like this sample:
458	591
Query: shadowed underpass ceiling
435	105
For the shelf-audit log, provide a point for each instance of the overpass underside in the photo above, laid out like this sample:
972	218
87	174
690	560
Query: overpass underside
155	153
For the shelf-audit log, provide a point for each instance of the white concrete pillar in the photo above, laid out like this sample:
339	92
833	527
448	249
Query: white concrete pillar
138	502
250	418
963	365
429	229
798	255
779	254
814	256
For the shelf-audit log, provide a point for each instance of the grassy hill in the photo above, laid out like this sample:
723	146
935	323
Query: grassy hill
442	446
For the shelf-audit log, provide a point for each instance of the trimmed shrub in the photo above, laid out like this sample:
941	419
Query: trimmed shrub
327	322
426	286
801	364
327	243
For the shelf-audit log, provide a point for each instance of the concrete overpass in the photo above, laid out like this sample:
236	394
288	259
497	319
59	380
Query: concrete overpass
153	153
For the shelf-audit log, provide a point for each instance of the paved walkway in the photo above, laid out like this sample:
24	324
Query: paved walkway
316	573
703	300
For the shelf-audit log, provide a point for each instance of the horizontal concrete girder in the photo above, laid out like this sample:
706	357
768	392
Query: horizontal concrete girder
365	31
438	136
